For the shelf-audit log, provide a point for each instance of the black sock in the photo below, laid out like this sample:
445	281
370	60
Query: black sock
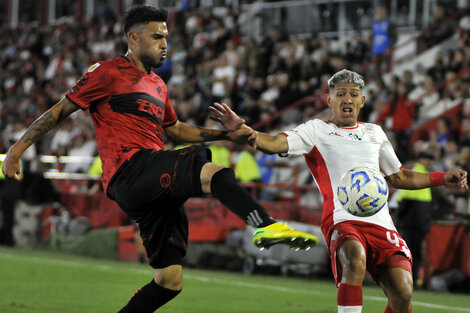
226	188
149	298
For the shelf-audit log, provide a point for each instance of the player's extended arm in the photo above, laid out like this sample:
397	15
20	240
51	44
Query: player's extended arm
272	144
11	165
183	132
408	179
222	113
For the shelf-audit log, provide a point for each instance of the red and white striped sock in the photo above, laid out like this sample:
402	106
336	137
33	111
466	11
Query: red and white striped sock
349	298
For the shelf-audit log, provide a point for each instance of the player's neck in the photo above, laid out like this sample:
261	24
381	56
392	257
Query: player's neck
343	125
130	56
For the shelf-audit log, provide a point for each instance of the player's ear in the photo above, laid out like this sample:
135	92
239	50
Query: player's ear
132	37
363	101
328	99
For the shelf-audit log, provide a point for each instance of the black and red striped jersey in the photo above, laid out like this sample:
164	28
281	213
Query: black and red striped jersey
129	109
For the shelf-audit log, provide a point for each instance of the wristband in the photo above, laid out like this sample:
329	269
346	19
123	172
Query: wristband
437	179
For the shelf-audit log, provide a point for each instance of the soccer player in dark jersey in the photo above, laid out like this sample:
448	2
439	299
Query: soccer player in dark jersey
132	113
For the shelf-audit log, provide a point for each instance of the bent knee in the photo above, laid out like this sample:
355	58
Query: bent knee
172	283
170	277
356	266
404	294
207	172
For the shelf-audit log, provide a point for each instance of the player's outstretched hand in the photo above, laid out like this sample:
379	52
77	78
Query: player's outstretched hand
456	178
244	134
11	167
222	113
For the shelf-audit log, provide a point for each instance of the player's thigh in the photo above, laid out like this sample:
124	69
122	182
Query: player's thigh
164	175
397	283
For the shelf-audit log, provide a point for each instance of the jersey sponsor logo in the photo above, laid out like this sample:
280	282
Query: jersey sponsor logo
334	133
151	108
140	104
93	67
354	136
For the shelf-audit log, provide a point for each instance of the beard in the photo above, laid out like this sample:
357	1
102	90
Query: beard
150	62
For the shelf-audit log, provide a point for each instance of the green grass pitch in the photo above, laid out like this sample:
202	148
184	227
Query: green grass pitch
39	282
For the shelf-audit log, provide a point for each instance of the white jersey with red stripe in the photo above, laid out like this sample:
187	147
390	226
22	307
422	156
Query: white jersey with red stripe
330	151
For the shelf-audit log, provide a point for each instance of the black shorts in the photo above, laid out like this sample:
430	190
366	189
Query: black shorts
151	188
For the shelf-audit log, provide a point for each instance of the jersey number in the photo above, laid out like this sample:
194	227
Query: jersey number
399	242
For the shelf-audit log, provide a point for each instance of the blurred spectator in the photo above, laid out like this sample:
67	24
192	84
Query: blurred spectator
82	145
439	28
464	30
103	11
360	49
408	80
457	61
10	192
266	163
62	138
223	78
450	153
426	97
246	167
385	36
414	215
249	110
463	162
438	69
398	116
443	129
463	158
220	153
30	154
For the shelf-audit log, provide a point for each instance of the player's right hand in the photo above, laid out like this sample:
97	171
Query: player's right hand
11	166
223	114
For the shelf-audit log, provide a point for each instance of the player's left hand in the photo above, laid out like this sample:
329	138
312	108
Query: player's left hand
456	178
222	113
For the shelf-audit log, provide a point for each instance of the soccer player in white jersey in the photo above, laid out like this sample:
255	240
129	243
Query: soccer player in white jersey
331	148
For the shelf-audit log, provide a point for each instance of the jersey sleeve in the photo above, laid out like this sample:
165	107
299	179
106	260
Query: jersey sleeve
301	139
170	114
92	86
388	160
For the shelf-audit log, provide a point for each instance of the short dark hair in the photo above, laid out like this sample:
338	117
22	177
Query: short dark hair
142	15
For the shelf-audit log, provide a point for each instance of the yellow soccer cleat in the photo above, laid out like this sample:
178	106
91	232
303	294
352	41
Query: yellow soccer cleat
279	233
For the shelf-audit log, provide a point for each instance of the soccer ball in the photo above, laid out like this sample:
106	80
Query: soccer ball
363	191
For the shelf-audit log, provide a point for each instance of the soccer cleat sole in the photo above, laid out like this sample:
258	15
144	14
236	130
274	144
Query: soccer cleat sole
296	243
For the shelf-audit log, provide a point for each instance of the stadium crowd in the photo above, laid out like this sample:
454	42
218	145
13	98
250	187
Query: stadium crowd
209	60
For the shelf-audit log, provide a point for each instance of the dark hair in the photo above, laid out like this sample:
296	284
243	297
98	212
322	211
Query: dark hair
142	15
